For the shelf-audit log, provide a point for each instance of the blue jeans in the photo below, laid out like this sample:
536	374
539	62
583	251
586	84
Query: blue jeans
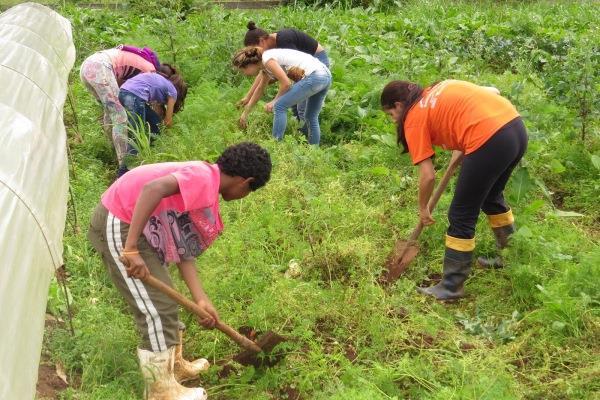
310	90
137	109
300	109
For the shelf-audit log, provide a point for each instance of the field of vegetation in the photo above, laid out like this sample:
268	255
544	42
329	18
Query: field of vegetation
332	214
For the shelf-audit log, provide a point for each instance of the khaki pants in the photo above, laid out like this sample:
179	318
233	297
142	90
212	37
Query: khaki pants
155	314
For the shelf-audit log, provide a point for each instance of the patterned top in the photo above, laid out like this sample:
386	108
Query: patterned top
126	64
183	225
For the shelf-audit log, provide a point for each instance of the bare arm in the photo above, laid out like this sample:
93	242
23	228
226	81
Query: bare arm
250	93
457	157
188	272
282	78
258	92
187	269
426	184
169	113
151	195
263	81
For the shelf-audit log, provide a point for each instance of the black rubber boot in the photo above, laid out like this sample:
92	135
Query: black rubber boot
502	235
457	266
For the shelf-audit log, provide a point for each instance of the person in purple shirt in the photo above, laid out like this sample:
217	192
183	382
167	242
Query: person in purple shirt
140	95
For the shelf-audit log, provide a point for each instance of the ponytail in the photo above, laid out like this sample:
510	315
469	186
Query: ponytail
254	34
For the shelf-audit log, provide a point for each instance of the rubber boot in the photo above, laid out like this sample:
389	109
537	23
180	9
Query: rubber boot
457	266
186	370
503	226
160	383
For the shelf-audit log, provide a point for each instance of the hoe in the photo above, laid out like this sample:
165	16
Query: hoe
406	250
255	353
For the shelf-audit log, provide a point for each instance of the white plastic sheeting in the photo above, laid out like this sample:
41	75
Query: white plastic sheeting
36	55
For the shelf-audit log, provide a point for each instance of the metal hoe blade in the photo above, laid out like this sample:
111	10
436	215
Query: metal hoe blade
267	343
402	255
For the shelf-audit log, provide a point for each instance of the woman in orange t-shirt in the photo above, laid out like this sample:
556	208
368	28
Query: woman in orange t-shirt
486	131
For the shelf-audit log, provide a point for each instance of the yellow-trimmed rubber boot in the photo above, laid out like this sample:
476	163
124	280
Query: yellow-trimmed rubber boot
458	259
503	226
160	383
187	370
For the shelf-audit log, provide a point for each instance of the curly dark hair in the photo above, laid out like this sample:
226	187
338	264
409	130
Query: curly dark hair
247	160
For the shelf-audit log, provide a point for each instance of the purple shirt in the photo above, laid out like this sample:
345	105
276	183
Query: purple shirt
151	86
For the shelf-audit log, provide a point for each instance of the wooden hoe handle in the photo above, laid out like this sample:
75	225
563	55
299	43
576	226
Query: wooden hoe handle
441	188
195	308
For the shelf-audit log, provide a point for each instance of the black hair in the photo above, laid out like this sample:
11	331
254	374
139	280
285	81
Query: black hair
254	34
247	160
407	93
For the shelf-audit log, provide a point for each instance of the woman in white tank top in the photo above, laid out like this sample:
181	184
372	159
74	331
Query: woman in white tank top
312	81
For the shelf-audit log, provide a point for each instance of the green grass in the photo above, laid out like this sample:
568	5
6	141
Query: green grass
529	331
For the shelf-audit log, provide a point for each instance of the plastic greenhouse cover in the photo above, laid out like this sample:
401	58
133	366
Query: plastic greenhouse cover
36	56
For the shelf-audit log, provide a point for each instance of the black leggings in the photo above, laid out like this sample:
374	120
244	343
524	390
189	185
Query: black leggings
483	176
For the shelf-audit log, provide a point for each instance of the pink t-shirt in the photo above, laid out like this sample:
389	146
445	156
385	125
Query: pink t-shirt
198	188
127	64
183	225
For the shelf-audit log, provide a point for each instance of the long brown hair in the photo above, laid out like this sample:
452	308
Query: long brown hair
167	70
247	56
254	34
407	93
173	76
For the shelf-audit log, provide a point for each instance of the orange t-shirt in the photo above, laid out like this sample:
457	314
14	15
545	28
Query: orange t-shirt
455	115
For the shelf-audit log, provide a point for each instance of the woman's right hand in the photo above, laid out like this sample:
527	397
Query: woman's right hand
212	316
243	102
135	265
426	218
243	121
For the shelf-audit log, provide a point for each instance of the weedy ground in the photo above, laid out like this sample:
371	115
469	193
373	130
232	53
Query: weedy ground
529	331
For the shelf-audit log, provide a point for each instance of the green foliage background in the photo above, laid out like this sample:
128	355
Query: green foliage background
529	331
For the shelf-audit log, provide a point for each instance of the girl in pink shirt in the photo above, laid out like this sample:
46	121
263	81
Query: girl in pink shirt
103	73
169	213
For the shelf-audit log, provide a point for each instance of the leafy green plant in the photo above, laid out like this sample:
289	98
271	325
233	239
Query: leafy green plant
575	79
57	301
503	330
140	137
335	212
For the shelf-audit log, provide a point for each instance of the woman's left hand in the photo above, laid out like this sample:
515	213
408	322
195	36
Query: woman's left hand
212	315
135	266
426	218
269	106
243	121
242	103
168	121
